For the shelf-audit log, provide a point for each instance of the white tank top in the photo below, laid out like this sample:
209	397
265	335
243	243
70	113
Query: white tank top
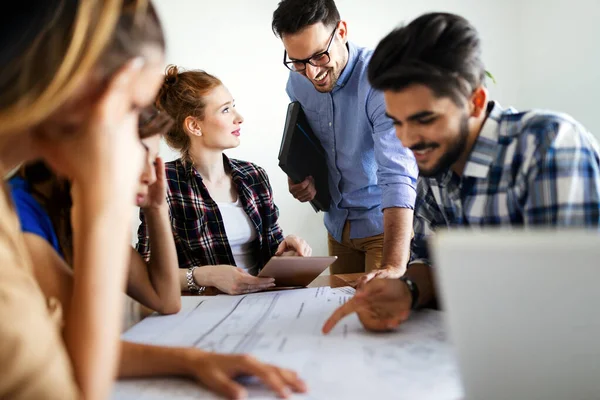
241	235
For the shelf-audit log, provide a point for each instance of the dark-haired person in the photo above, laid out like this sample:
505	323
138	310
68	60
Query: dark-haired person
481	165
372	177
223	216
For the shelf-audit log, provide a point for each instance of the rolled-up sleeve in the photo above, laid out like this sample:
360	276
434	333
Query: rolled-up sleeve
274	233
397	170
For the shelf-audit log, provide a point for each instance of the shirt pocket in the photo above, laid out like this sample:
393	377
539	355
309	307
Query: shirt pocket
190	230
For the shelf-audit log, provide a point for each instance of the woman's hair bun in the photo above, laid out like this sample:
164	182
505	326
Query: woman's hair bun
171	75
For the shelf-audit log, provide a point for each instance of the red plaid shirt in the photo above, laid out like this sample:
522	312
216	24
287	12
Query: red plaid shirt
196	221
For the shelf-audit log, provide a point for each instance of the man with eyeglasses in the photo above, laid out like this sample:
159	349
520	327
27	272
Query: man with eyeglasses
372	177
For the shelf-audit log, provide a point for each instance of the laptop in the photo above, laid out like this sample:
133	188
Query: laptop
523	312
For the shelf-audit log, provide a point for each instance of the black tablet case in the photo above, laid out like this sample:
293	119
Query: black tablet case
301	155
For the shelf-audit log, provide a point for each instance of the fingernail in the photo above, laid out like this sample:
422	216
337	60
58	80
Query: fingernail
300	386
304	386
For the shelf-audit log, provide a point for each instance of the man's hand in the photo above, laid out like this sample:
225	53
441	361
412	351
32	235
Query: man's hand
293	245
388	272
381	305
303	191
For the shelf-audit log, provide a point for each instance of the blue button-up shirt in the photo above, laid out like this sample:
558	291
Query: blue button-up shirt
369	169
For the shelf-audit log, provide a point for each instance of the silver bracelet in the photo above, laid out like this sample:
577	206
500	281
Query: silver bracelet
191	282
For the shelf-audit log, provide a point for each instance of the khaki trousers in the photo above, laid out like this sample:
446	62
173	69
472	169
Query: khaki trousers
355	255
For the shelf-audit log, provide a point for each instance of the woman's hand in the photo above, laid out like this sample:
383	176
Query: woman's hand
218	371
231	280
157	192
293	245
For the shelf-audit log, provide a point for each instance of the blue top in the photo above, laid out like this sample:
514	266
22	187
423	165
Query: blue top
369	169
34	219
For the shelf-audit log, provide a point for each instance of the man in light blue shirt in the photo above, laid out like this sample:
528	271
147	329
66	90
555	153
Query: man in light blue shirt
372	177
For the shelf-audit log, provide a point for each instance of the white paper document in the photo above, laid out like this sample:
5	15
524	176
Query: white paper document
284	328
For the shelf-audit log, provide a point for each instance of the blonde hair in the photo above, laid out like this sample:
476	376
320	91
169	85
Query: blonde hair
182	95
63	62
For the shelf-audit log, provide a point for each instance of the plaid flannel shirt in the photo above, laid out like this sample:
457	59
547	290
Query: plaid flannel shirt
534	168
196	221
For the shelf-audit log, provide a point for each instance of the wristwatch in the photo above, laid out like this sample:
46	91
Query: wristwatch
191	282
414	292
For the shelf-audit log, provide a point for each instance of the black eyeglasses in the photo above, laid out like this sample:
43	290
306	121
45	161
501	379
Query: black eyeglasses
318	60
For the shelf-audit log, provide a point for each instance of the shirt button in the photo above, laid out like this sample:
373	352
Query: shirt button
330	124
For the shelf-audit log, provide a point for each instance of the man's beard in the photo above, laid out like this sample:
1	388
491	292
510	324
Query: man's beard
333	78
452	155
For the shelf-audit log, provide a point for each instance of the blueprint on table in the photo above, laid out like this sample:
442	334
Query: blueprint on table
284	328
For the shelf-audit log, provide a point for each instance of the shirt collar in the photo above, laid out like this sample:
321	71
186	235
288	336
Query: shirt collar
485	149
352	60
236	172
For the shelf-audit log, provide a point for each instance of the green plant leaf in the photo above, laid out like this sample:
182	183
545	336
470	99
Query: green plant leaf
489	75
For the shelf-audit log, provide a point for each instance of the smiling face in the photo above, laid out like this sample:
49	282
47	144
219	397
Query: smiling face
435	128
312	41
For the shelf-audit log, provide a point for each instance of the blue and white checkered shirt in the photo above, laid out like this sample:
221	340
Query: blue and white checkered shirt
534	168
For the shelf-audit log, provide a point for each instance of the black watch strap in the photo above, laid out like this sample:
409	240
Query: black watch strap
414	292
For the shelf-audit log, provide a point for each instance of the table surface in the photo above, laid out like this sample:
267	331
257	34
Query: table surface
136	312
336	280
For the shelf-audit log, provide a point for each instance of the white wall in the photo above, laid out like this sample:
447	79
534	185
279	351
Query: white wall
233	40
560	58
